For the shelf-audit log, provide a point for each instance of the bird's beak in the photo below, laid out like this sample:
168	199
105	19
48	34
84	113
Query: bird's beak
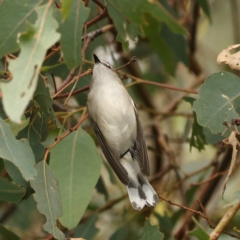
96	59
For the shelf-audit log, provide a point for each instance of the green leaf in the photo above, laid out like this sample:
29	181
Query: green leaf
112	176
119	23
2	112
199	231
177	43
204	4
66	8
88	229
16	176
10	192
214	138
7	234
122	233
35	133
198	139
17	152
34	44
156	40
77	174
13	17
101	188
42	96
219	100
72	30
48	198
151	232
165	224
134	11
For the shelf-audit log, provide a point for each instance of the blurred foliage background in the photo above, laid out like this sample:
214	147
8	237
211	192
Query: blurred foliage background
54	181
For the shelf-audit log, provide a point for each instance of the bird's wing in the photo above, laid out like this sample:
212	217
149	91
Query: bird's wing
141	154
114	163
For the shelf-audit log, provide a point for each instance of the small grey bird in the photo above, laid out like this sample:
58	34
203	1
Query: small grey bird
114	118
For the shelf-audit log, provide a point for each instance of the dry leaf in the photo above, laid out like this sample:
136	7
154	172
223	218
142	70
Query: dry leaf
232	140
233	60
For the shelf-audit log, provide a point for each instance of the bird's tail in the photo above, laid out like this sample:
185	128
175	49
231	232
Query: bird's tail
141	193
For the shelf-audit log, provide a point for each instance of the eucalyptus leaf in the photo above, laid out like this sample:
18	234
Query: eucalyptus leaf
151	232
48	198
2	112
72	30
34	44
35	132
10	192
101	188
66	8
7	234
13	17
198	139
199	231
134	11
77	174
42	96
16	176
204	4
88	229
219	101
17	152
156	40
166	223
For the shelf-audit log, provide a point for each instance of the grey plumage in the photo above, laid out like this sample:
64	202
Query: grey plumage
115	120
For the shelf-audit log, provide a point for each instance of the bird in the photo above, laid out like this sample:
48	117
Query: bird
115	120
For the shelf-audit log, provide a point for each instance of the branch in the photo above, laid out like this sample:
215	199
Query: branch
204	215
58	139
183	207
206	193
101	5
63	95
139	80
102	15
70	82
215	234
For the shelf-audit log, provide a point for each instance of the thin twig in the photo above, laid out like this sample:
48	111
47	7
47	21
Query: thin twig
54	82
70	94
63	95
203	215
92	35
102	15
139	80
60	138
73	80
101	5
183	207
68	79
133	59
189	175
209	179
54	51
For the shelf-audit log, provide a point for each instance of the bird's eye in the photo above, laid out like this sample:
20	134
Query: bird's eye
109	66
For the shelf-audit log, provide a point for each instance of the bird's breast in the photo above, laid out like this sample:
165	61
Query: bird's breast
112	109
